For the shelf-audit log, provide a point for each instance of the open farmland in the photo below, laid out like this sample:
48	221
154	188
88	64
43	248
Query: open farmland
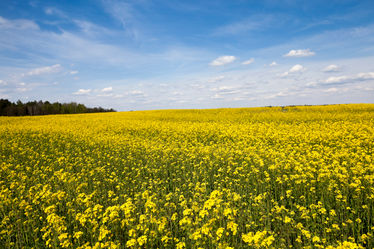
225	178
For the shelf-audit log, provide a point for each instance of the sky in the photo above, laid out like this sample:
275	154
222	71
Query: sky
170	54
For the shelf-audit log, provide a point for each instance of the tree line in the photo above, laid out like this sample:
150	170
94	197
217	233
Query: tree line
8	108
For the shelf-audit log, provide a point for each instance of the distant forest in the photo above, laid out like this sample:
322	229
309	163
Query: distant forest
8	108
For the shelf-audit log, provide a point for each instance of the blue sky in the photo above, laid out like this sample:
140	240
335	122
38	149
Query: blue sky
143	54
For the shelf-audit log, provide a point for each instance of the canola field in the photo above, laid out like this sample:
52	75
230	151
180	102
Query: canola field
272	177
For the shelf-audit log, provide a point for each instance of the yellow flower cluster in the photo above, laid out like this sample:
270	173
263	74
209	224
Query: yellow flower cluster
271	177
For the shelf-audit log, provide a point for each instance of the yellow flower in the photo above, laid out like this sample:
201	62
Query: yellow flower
181	245
220	232
287	219
316	239
233	227
77	235
131	243
142	240
103	233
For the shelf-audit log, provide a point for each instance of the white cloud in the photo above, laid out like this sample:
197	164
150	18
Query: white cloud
92	29
55	12
365	76
82	92
223	89
223	60
3	83
136	93
22	89
346	79
176	93
330	90
285	74
300	53
217	96
279	94
105	95
331	68
226	90
107	89
247	62
45	70
273	64
337	79
311	84
295	69
215	79
19	24
74	72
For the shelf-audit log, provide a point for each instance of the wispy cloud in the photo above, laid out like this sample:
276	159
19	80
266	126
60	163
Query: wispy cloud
124	13
348	79
331	68
92	30
300	53
18	24
217	96
255	22
55	12
72	48
64	45
223	60
224	90
247	62
330	90
216	79
22	89
45	70
107	89
283	93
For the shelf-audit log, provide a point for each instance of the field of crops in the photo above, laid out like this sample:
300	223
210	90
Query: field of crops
300	177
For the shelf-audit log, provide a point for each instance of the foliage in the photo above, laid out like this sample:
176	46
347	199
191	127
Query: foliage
8	108
225	178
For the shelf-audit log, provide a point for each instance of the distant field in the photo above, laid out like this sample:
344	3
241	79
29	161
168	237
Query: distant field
225	178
